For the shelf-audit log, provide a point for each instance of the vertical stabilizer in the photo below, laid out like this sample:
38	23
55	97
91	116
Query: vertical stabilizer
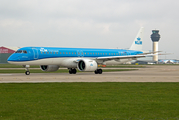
137	43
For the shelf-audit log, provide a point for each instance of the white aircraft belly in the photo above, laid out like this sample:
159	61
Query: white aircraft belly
47	61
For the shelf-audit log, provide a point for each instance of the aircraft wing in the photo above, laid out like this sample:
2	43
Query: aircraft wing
123	57
150	53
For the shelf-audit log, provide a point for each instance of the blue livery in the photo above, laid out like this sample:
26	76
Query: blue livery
83	59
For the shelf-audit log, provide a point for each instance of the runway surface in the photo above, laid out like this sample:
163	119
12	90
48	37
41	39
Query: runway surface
152	73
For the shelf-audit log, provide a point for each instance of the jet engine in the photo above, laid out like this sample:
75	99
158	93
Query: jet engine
49	68
87	65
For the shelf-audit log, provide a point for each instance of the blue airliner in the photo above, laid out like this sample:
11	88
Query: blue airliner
83	59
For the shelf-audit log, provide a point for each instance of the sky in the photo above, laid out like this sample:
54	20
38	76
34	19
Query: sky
89	23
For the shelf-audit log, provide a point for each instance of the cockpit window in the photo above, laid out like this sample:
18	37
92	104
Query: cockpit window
24	51
21	51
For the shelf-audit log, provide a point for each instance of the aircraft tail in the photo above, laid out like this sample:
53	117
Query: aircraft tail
137	43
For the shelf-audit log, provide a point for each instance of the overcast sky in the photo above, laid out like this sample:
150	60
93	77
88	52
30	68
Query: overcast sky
89	23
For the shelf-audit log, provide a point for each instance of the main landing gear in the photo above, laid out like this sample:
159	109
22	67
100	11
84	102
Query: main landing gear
98	71
72	71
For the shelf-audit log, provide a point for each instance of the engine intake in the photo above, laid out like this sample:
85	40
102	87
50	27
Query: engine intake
87	65
49	68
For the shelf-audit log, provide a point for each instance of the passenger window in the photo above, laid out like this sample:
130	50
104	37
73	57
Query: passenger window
63	52
75	52
53	52
66	53
69	53
72	52
44	52
47	52
50	52
57	52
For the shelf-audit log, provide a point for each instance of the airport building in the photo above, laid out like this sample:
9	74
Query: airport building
5	52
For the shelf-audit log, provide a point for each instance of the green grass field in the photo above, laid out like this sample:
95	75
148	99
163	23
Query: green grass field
89	101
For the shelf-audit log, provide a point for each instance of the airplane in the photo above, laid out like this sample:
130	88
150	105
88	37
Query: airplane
167	61
83	59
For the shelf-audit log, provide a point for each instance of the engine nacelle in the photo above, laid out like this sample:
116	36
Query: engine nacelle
87	65
49	68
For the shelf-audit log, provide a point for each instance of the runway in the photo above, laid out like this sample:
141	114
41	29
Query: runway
153	73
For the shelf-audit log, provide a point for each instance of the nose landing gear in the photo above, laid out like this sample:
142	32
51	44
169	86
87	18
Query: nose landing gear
27	72
27	69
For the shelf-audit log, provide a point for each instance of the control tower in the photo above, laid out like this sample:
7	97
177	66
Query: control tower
155	38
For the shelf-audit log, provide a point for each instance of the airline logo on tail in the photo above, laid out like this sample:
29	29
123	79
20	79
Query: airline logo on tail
138	42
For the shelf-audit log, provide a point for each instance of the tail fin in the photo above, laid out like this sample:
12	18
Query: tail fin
137	43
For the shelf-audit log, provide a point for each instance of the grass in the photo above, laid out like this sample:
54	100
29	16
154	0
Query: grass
59	71
89	101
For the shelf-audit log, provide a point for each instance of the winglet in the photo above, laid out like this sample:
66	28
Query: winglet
137	43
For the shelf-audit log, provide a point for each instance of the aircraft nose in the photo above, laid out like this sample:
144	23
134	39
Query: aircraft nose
12	58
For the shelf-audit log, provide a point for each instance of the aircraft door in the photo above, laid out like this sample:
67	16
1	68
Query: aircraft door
35	53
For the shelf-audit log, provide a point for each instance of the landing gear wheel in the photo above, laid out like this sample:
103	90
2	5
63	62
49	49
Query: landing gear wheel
98	71
27	72
72	71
